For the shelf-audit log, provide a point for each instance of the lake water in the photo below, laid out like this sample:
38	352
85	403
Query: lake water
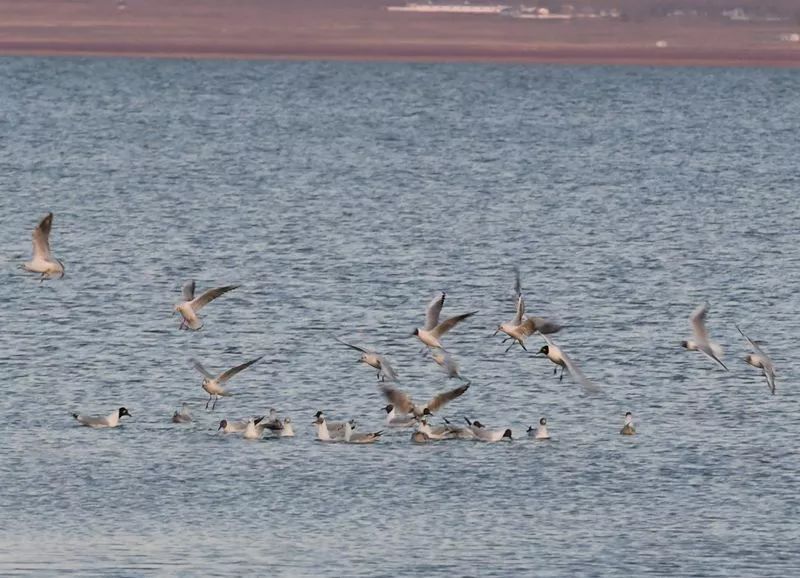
342	197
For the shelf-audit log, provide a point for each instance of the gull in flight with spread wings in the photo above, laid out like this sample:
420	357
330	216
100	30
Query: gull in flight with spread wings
43	261
190	305
522	327
702	342
560	358
403	403
373	359
761	360
213	384
433	331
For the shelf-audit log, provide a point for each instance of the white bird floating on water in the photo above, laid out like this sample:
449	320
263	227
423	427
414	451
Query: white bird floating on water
761	360
373	359
540	432
213	385
487	435
359	438
558	356
335	429
433	331
403	402
702	342
43	261
111	420
190	305
628	428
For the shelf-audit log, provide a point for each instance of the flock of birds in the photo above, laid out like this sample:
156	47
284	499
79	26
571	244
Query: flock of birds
401	411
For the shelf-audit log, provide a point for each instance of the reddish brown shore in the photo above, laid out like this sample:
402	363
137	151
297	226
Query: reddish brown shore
365	30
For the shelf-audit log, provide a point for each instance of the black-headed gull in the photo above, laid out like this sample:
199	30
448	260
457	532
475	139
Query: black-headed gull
702	342
375	360
213	384
190	305
403	402
761	360
433	331
110	420
43	261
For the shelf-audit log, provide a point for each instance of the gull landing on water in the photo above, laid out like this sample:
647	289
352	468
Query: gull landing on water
403	402
433	331
702	342
762	361
373	359
628	428
111	420
43	261
446	362
213	384
540	433
190	305
182	415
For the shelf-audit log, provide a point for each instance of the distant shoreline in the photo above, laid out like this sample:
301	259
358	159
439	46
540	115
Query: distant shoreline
599	56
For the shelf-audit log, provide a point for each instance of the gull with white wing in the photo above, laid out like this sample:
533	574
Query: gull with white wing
433	331
190	305
111	420
702	342
213	384
43	261
403	402
761	360
375	360
560	358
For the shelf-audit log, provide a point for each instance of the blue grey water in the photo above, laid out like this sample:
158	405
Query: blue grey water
342	197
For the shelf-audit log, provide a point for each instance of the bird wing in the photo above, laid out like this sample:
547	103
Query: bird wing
573	369
400	399
188	290
758	350
433	311
387	370
209	296
448	324
517	284
447	396
41	238
520	311
92	421
543	325
234	370
351	346
198	366
770	375
698	322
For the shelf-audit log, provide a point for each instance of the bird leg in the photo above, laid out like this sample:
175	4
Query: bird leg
562	374
555	370
510	346
213	405
209	401
522	345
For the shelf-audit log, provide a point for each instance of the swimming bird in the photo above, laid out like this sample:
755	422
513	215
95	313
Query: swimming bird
628	429
441	432
458	432
433	331
228	426
111	420
43	261
335	429
213	385
761	360
182	415
702	342
287	431
446	362
373	359
253	430
272	420
403	402
487	435
419	437
359	438
394	420
557	355
190	305
540	433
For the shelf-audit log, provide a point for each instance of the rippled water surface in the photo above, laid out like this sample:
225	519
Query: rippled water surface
342	197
